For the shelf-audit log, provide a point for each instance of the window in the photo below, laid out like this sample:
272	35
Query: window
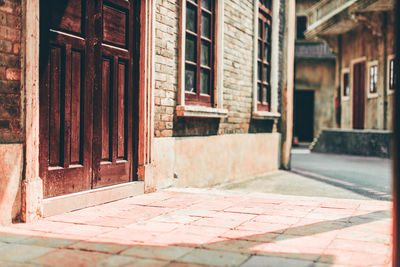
373	79
264	56
346	85
201	56
301	27
266	43
199	52
391	74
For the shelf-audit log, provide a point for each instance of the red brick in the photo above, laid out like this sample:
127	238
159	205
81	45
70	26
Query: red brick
17	48
10	33
5	46
2	73
13	74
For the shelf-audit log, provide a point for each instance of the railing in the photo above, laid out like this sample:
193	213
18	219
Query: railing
312	50
326	7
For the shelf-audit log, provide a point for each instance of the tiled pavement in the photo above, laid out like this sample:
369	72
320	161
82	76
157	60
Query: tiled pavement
197	227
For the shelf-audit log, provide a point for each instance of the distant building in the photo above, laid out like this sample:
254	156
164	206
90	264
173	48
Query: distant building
101	100
314	96
361	34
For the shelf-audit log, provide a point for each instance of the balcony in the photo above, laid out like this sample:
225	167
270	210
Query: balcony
334	17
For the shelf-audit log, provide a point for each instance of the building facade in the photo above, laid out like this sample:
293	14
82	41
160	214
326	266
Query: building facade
102	100
314	96
361	34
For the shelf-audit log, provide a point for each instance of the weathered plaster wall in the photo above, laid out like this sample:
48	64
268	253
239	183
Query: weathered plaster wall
361	44
318	75
187	161
10	184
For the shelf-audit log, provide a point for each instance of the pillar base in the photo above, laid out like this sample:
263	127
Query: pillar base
32	199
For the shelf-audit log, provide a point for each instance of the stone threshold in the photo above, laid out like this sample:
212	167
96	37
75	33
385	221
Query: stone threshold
62	204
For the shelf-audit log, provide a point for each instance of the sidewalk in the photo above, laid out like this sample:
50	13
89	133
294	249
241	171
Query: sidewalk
195	227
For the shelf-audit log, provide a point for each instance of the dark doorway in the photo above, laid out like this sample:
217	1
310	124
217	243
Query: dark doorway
87	95
359	95
304	115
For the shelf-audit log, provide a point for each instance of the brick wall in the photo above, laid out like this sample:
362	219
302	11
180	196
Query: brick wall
237	78
238	65
10	71
166	65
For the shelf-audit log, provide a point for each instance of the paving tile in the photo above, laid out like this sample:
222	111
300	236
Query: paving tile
184	264
154	226
149	263
352	234
360	246
167	253
216	222
213	205
291	255
241	234
21	253
268	237
200	230
174	218
256	261
45	226
265	227
238	246
15	264
108	221
303	241
11	238
99	247
68	258
286	220
343	257
214	258
125	234
252	209
196	212
182	238
47	242
117	260
84	230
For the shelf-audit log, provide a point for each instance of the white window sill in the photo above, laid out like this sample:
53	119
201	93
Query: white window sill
372	95
201	112
345	98
265	115
390	92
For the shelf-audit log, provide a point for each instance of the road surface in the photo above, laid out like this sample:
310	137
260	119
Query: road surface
369	176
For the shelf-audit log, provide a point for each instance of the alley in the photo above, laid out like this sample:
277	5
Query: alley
207	227
369	176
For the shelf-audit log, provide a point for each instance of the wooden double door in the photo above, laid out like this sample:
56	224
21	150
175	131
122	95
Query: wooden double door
88	93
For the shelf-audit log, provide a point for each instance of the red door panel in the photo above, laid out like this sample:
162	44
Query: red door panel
112	157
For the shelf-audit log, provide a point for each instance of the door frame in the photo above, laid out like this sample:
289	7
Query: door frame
32	187
354	62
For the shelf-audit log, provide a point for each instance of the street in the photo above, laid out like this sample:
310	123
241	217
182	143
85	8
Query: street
367	176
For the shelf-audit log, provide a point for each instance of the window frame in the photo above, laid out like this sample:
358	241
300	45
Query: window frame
264	95
344	72
274	63
372	64
389	90
214	108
